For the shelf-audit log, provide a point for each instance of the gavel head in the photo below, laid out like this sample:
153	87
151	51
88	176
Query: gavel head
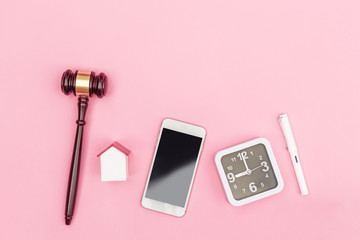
82	83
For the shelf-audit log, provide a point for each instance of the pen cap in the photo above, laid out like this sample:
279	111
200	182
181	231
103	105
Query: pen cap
285	126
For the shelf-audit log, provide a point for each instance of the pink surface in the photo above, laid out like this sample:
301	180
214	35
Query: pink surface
230	66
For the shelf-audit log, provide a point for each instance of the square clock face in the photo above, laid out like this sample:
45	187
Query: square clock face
249	171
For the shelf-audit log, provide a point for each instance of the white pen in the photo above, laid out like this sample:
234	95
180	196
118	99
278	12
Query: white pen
285	126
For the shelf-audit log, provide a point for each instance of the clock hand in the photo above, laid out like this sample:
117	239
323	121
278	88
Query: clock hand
256	168
241	174
246	166
247	172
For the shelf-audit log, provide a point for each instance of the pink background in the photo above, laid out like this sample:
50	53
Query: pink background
230	66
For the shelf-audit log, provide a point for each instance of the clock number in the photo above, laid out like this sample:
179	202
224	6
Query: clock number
244	190
266	167
262	184
260	157
252	187
233	159
231	177
251	152
229	168
235	186
243	155
267	175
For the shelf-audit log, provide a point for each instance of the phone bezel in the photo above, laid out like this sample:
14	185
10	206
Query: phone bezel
182	127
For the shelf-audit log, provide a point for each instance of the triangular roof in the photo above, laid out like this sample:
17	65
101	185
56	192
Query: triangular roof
118	146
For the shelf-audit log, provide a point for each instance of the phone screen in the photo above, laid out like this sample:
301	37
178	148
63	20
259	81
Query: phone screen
173	167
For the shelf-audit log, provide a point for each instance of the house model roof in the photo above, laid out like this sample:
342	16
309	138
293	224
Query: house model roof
118	146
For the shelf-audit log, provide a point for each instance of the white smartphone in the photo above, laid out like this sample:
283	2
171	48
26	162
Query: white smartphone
173	167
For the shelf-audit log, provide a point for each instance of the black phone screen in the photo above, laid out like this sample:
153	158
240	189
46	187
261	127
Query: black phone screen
173	167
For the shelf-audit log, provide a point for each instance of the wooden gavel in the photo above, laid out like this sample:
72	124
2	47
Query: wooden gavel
84	85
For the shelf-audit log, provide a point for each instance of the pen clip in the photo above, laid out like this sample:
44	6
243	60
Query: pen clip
285	126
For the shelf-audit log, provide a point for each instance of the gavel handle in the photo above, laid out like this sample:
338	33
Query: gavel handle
75	162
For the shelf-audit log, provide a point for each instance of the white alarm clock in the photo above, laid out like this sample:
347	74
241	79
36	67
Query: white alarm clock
249	172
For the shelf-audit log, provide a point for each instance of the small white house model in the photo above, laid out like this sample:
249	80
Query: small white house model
114	163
